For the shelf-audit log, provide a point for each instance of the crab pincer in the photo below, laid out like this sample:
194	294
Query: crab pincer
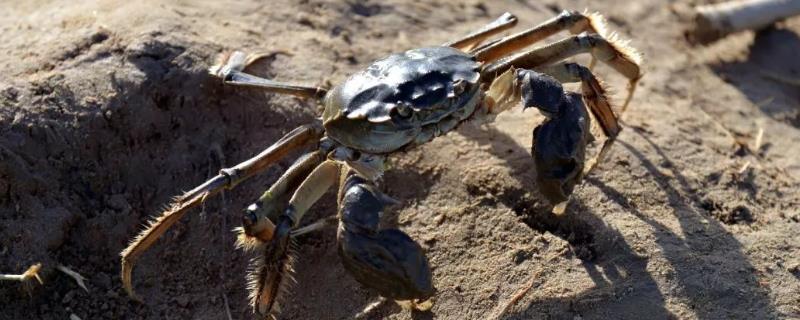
386	260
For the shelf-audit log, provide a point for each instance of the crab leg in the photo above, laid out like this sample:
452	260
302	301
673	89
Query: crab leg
613	52
469	42
231	71
258	224
270	273
227	179
573	21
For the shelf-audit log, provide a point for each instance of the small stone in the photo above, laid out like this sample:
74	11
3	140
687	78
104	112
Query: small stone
520	256
118	203
68	297
182	301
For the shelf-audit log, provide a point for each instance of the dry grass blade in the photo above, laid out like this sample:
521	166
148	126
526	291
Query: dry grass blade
369	308
517	296
31	273
74	275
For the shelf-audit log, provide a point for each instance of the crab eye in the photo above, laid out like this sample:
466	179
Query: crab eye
403	110
459	86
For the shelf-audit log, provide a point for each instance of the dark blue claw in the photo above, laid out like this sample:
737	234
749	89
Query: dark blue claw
388	260
559	149
540	91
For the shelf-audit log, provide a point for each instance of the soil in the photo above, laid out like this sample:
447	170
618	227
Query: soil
106	112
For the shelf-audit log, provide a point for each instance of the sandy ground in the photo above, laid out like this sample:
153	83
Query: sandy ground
106	112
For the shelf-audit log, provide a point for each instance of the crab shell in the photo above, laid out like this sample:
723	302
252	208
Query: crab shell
403	100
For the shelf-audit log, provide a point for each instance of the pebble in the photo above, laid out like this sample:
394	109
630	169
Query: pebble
118	203
182	301
68	297
438	219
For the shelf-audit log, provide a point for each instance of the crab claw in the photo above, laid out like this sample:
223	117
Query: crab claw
559	149
388	260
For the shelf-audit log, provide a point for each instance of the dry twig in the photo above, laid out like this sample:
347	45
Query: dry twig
517	296
713	22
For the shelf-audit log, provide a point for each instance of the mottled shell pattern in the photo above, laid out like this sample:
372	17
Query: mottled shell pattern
390	103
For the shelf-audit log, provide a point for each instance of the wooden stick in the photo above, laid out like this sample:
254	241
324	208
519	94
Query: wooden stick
712	22
518	295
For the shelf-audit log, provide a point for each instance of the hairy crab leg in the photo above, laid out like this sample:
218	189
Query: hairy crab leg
617	54
231	70
573	21
227	178
271	273
470	41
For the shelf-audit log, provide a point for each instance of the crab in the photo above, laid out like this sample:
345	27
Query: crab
395	104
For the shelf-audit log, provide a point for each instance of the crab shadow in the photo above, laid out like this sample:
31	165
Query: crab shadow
623	284
610	262
768	76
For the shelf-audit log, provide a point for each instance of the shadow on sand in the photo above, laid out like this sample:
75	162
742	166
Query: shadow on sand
770	76
623	284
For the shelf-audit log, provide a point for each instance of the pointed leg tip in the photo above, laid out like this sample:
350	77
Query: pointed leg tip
415	304
227	62
261	310
423	305
132	295
127	281
560	208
